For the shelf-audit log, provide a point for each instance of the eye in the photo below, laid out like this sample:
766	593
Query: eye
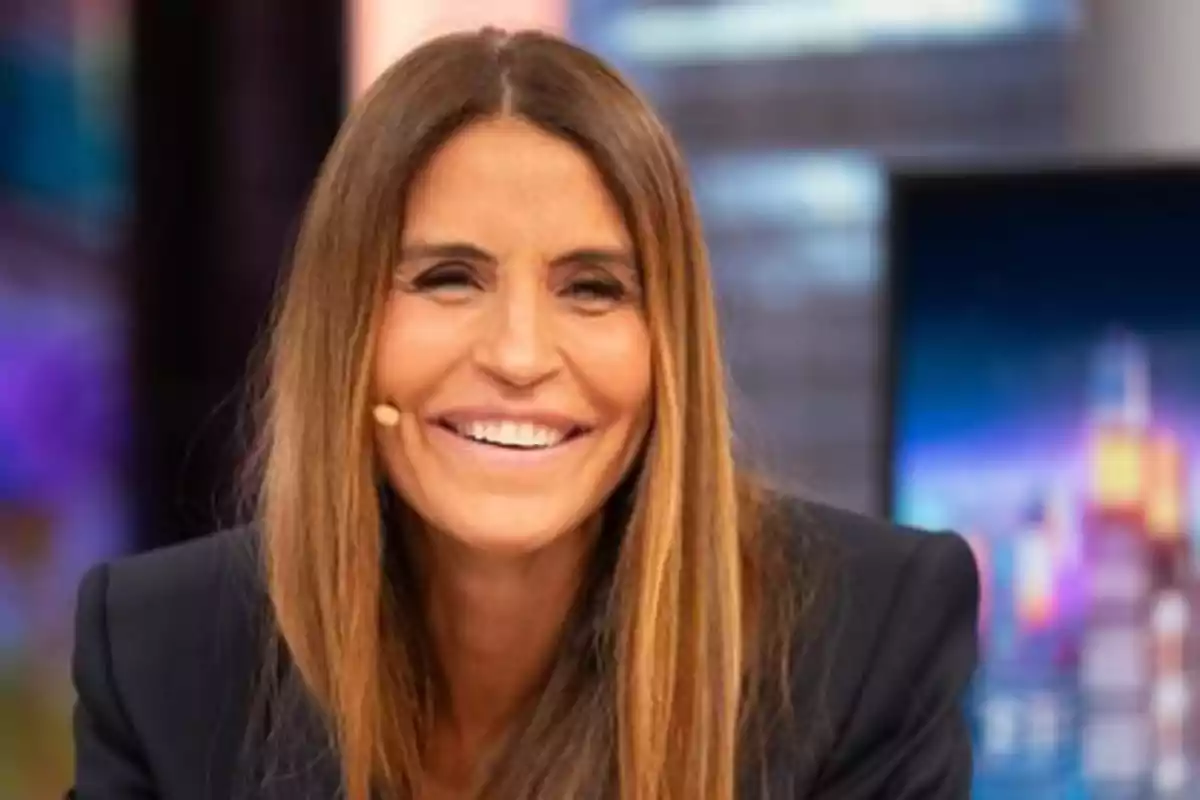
594	289
451	279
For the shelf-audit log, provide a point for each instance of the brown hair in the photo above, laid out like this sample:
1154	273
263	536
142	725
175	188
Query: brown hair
659	676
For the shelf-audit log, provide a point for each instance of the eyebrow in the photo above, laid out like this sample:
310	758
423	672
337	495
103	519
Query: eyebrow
460	250
596	256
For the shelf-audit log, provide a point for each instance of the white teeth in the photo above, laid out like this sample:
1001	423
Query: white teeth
512	434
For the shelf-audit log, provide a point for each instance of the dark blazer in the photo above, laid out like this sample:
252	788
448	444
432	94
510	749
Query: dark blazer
168	649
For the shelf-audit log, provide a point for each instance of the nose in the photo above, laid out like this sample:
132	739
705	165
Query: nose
517	347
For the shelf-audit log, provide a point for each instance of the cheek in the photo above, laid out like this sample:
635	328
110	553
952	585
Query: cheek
416	346
613	362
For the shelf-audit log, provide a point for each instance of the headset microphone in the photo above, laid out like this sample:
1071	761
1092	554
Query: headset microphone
386	415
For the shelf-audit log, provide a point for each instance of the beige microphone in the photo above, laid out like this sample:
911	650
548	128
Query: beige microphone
386	415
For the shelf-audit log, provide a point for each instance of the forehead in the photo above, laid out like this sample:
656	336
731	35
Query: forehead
506	181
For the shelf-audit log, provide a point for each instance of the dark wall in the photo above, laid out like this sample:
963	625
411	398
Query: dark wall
234	106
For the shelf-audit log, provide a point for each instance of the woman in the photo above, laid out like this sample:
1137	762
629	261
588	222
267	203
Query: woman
502	549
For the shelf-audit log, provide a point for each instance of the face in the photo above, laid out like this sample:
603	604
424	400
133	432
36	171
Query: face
513	342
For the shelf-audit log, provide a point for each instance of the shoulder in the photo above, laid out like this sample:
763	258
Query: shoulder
860	573
886	646
166	658
209	585
869	578
869	560
176	604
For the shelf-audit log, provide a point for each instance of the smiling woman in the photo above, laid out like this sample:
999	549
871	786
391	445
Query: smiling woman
517	350
501	546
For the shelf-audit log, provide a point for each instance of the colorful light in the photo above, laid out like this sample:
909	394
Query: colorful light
1035	582
1165	512
1119	469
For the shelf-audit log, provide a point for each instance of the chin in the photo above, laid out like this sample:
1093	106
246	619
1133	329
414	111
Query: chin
503	527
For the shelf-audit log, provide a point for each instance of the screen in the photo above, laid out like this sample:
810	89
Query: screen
1045	403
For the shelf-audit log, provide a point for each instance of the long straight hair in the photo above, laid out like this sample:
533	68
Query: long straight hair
677	641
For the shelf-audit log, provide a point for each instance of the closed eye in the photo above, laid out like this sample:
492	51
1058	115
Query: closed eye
452	277
596	289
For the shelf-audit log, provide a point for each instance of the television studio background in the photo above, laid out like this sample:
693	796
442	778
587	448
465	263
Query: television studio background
952	252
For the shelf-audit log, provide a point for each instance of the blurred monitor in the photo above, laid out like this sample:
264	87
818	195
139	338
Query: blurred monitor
1044	336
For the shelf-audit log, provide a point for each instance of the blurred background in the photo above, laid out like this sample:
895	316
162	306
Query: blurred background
952	248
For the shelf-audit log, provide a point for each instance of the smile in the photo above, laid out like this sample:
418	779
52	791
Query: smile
512	434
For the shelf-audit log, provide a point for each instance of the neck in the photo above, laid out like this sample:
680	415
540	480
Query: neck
495	623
